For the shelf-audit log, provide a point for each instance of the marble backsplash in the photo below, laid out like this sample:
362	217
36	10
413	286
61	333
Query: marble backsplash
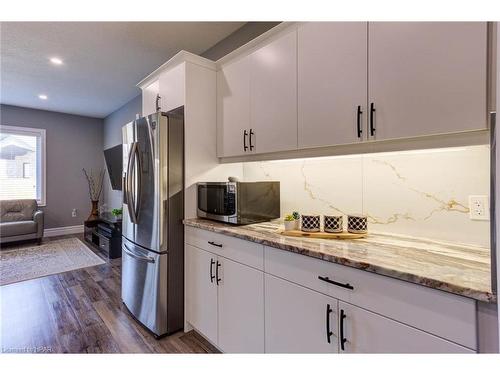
418	193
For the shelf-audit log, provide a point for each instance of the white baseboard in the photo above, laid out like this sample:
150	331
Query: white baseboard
51	232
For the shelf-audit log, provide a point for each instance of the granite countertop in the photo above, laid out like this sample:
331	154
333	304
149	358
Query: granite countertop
456	268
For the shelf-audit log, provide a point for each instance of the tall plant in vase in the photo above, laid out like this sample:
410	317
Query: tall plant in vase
94	180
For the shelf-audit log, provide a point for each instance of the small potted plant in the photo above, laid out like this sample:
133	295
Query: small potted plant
296	218
117	212
289	222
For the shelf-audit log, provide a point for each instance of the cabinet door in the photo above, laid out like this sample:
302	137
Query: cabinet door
149	94
427	77
172	88
297	319
241	308
201	292
233	107
332	82
367	332
273	99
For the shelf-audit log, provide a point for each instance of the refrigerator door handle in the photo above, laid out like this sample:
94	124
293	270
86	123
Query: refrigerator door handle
128	190
127	251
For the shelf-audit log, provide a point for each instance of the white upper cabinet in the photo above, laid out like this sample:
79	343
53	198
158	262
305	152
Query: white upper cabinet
172	88
149	98
427	78
233	107
273	95
332	83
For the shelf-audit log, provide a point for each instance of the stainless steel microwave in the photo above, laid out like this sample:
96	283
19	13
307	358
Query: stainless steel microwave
239	202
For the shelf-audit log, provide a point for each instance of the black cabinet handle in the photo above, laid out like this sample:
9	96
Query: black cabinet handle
158	107
328	332
245	147
342	338
372	121
215	244
359	113
217	273
346	285
212	277
251	133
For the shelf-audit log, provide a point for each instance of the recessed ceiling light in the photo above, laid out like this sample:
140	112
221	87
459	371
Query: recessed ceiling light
56	61
43	96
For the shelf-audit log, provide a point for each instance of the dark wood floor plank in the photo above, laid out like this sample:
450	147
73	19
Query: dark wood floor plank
80	311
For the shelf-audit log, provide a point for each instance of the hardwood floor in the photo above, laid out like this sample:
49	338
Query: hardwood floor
80	311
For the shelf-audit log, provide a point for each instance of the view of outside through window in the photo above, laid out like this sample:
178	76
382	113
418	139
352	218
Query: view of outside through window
18	166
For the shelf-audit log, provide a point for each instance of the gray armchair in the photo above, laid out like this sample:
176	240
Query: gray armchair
20	219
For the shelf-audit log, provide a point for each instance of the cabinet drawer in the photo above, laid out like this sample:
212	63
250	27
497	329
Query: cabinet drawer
103	243
443	314
241	251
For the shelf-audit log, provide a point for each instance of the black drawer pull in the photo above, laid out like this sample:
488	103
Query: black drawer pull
217	273
359	113
212	277
342	338
215	244
347	285
328	332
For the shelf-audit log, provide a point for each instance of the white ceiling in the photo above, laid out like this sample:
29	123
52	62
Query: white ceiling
103	61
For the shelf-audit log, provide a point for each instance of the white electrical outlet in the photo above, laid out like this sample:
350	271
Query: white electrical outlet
479	207
73	213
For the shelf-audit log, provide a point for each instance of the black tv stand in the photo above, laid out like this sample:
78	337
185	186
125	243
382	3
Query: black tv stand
105	233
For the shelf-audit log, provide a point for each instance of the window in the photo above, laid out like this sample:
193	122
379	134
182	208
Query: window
22	163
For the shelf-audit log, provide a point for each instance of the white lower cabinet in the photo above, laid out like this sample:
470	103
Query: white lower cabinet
367	332
241	308
299	320
225	301
201	292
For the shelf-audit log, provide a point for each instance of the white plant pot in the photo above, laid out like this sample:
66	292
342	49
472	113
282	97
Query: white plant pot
297	224
290	225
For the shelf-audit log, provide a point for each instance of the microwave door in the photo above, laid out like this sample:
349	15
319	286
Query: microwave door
128	219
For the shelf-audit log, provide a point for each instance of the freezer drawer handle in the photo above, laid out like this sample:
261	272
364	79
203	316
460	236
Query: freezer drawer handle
326	279
138	257
328	332
215	244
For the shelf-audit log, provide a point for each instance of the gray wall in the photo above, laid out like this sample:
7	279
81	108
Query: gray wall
112	136
72	143
113	123
243	35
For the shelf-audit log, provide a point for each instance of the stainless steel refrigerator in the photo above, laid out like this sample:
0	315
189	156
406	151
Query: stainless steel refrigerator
152	229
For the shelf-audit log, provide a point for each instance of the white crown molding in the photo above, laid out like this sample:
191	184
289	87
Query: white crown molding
180	57
61	231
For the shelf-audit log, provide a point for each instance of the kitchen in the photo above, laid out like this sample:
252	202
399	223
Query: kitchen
401	152
283	192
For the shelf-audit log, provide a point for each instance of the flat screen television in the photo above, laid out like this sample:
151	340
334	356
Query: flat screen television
114	162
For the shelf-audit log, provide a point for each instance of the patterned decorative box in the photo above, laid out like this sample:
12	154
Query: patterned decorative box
357	224
310	223
333	224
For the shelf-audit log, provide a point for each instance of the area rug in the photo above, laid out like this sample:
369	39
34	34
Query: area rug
30	262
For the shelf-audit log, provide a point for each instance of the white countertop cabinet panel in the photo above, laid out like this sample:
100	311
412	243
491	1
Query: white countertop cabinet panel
296	319
427	78
332	83
240	308
201	292
367	332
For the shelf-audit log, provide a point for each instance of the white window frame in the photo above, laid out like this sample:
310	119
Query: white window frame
42	171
